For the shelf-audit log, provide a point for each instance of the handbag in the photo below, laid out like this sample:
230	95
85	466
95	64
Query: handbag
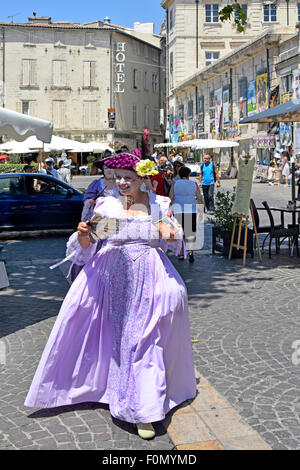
167	185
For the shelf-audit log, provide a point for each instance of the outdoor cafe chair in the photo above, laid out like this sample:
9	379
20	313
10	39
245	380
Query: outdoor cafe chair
281	233
261	228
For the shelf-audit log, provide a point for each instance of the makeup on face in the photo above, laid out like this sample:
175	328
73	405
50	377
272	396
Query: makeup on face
127	181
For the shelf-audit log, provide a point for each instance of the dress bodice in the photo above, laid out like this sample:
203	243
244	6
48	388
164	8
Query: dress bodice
133	229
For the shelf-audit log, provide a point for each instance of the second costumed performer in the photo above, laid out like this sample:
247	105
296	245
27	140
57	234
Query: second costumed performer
122	336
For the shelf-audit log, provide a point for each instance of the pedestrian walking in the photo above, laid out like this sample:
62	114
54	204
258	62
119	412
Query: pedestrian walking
176	167
185	195
284	170
49	168
122	335
208	177
63	171
165	168
104	186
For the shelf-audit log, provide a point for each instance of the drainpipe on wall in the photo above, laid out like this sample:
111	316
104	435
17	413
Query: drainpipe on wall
287	13
3	68
197	110
231	106
111	70
197	33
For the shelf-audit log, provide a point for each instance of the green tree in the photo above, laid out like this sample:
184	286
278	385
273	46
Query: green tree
234	9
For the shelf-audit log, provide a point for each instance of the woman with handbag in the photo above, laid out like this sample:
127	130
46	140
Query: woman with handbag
185	195
122	336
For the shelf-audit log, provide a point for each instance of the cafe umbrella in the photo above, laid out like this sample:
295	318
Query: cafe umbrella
286	112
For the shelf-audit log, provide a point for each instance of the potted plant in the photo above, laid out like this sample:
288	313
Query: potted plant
223	224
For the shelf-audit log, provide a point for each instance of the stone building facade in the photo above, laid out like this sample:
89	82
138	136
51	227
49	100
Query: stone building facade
209	99
95	81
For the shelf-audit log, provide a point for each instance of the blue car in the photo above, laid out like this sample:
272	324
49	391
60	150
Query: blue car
30	201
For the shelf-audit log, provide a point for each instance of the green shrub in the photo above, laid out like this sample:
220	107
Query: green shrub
223	218
14	168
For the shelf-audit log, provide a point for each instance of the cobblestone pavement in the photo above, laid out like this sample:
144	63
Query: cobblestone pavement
27	314
245	320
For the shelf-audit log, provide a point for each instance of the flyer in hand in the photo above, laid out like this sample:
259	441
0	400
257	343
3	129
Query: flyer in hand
103	227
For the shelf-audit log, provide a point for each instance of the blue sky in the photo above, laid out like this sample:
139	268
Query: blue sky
120	11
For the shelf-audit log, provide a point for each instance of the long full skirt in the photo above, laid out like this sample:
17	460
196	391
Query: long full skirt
122	338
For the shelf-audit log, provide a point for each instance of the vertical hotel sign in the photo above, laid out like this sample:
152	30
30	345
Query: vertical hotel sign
120	59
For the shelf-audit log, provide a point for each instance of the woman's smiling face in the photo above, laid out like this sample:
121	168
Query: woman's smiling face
128	182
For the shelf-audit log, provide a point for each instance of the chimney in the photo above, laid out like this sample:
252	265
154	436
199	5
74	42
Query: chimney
107	20
39	19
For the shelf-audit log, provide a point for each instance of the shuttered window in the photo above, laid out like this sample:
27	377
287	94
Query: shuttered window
59	114
29	72
136	79
155	83
89	114
146	116
89	74
59	73
134	115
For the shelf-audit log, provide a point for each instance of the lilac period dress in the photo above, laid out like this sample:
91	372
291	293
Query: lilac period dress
122	336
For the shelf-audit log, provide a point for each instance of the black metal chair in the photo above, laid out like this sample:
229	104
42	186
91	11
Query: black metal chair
261	228
280	234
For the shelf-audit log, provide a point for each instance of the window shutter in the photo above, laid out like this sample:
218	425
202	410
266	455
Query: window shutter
26	72
55	113
55	69
86	74
19	106
33	72
32	108
63	73
93	73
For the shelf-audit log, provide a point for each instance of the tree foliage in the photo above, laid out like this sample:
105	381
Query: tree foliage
235	10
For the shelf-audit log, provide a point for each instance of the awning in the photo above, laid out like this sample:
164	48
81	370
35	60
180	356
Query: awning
20	127
200	144
285	112
32	144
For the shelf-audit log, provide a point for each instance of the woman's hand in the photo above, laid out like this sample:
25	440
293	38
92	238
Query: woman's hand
166	232
84	231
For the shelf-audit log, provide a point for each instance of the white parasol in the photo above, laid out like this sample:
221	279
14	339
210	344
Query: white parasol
20	127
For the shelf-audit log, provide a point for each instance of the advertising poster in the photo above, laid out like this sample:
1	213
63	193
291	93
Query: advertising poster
226	106
218	108
286	134
243	97
297	137
297	85
201	114
262	98
251	97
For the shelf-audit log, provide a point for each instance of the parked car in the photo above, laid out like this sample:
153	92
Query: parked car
31	201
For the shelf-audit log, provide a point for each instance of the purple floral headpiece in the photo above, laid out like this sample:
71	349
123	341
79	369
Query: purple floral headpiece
124	161
137	153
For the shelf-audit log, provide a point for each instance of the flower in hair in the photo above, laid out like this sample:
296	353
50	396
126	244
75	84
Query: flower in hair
146	168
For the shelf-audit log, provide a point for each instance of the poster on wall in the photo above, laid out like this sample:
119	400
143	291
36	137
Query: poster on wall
201	114
218	108
243	97
226	106
251	97
297	85
286	134
297	137
212	112
262	95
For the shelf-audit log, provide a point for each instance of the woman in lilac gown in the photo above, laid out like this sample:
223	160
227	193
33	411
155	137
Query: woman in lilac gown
122	335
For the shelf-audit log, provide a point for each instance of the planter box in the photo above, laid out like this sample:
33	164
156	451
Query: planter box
221	242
